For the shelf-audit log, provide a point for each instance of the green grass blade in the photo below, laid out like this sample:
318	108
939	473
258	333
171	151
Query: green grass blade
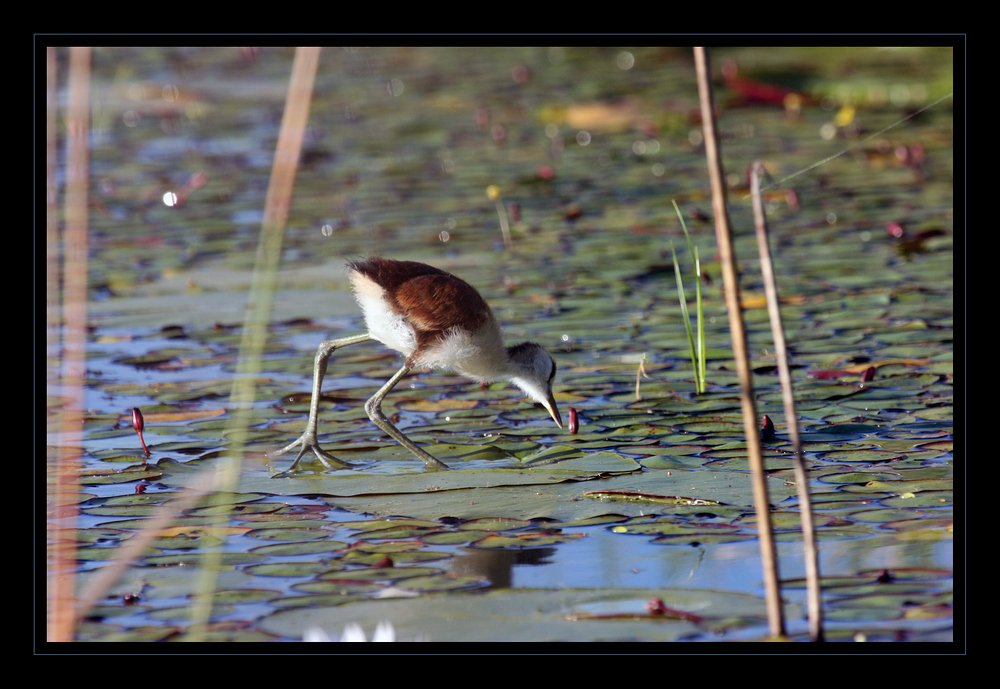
697	353
700	377
684	312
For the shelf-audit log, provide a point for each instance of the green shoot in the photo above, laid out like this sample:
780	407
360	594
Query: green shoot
697	348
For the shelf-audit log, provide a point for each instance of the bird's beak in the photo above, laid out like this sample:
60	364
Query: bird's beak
552	409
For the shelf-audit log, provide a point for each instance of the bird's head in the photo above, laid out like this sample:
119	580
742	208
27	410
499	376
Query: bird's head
535	372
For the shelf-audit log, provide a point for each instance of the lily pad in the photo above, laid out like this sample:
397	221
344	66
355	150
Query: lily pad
568	502
536	615
553	465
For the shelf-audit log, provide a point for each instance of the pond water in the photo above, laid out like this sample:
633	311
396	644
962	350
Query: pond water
589	147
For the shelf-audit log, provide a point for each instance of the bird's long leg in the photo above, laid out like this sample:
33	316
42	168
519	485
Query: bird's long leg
374	409
307	441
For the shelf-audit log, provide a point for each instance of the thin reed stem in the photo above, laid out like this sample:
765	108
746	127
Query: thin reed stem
813	596
61	575
768	554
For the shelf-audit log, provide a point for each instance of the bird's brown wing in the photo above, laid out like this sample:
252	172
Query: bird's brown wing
436	303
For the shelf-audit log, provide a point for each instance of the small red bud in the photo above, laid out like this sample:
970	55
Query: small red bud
574	423
137	424
655	606
767	430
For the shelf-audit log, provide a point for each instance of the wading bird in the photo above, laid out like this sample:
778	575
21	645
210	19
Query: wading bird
435	320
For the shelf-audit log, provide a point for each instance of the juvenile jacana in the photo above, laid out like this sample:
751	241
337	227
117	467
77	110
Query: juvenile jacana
435	320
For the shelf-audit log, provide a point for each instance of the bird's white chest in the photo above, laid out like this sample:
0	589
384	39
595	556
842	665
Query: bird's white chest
477	353
384	324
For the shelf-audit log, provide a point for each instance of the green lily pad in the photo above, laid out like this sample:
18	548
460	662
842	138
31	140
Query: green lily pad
524	540
554	465
535	615
568	502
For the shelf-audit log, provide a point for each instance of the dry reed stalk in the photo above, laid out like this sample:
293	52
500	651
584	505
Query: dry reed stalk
813	598
61	579
768	554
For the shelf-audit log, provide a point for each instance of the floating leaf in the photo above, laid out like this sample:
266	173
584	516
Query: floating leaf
630	496
524	540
